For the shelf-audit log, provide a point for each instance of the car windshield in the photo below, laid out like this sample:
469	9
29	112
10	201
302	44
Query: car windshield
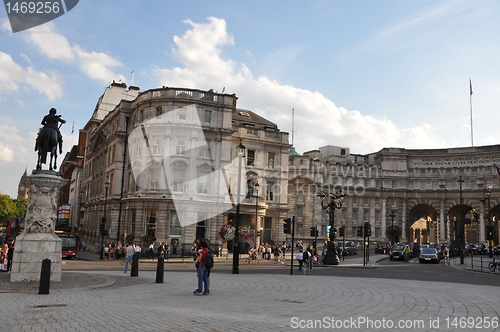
398	248
428	251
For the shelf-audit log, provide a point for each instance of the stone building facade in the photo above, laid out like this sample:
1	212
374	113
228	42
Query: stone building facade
162	166
421	188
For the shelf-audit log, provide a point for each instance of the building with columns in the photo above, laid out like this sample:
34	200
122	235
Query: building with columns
406	195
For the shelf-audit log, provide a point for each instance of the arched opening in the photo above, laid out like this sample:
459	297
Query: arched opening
423	224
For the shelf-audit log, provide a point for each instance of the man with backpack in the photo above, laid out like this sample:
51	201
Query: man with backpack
203	262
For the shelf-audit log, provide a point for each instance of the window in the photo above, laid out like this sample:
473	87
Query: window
250	157
207	118
203	183
299	211
205	150
138	146
365	200
154	179
175	225
151	223
422	185
270	191
270	159
354	200
365	215
377	216
159	111
410	184
344	213
367	183
435	185
180	147
178	180
141	116
394	184
156	144
354	215
182	113
300	197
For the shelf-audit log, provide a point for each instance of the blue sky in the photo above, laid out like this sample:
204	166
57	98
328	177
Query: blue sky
359	74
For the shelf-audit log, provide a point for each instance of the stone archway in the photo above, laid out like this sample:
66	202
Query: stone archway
423	226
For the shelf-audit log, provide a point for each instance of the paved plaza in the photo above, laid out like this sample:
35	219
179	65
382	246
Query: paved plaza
90	300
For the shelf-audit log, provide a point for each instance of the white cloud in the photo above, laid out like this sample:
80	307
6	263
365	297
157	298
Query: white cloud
12	75
50	43
96	65
318	121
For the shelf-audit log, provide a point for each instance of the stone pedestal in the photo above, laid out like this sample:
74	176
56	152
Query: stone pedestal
31	250
38	241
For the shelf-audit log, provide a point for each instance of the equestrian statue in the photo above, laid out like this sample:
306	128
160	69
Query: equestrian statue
48	138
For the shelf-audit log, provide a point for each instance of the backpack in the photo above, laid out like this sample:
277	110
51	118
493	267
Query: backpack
209	260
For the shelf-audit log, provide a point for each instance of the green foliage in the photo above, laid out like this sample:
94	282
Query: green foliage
21	205
7	208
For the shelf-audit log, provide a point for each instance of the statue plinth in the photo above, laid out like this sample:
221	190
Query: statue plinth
38	241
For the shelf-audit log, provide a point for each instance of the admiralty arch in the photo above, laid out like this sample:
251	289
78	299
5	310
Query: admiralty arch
406	195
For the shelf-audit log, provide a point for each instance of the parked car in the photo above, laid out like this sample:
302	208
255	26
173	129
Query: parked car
471	249
347	248
397	252
429	255
382	247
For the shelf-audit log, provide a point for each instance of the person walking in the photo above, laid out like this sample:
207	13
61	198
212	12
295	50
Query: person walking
129	251
202	270
3	257
300	257
10	255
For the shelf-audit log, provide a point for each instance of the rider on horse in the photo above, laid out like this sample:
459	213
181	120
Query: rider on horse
52	120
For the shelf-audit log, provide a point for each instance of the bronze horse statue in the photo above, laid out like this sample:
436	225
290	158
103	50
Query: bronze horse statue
46	142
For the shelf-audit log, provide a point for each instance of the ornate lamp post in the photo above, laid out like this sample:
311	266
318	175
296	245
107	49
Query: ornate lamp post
236	242
256	188
461	232
393	217
489	231
335	203
102	228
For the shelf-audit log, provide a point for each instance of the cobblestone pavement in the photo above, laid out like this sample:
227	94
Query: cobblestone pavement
246	302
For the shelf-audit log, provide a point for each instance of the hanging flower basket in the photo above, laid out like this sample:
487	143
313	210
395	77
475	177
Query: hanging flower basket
227	232
246	234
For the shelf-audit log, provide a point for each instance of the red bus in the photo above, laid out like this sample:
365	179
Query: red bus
15	227
69	243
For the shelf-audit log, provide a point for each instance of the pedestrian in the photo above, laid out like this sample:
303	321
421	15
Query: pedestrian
10	255
84	246
129	251
3	257
151	251
202	270
160	249
300	257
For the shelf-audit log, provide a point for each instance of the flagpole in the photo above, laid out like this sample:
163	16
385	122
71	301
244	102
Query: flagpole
470	102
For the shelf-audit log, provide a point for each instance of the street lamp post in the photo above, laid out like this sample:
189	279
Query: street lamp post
461	232
256	188
331	257
393	217
489	231
103	222
236	241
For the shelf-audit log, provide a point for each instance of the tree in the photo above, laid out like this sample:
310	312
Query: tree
21	205
7	209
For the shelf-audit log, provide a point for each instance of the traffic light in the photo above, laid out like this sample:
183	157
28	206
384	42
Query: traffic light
287	227
360	231
313	231
341	231
316	233
101	229
368	229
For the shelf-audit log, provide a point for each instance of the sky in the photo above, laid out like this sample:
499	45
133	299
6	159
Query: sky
358	74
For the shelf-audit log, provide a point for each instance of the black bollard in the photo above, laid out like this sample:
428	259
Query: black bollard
160	268
135	265
45	277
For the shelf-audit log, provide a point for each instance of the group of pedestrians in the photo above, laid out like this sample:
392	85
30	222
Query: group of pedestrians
6	254
305	258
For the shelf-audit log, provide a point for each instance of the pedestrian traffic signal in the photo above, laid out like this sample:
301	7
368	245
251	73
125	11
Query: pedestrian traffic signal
341	231
287	227
360	231
368	229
